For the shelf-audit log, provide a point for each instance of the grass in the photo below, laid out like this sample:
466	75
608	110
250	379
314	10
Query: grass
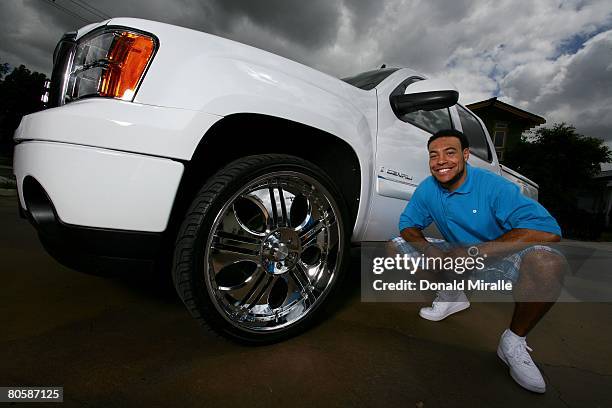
605	236
6	161
7	182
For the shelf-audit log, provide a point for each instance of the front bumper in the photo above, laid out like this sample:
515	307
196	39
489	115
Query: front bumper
100	188
87	249
93	207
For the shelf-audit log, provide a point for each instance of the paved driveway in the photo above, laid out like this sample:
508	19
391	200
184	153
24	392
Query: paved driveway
124	342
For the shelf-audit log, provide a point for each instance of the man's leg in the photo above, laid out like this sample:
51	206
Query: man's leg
537	288
445	302
526	315
535	291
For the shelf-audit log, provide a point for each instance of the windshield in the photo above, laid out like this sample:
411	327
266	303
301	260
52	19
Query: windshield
368	80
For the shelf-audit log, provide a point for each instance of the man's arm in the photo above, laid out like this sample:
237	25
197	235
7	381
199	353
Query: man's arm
415	218
510	242
414	236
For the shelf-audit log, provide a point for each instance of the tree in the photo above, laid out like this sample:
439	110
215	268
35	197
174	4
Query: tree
563	163
4	69
20	94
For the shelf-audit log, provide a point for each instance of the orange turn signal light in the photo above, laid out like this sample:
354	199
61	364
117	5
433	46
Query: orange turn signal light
127	60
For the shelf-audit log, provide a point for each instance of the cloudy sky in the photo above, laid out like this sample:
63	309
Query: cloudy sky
550	57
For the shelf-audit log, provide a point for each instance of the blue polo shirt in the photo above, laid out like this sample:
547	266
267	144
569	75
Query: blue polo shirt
482	209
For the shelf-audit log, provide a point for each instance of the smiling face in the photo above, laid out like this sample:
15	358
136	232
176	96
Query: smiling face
447	161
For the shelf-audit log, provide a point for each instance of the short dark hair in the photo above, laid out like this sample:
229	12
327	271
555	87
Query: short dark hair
465	144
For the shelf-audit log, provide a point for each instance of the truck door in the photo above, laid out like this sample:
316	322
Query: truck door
402	159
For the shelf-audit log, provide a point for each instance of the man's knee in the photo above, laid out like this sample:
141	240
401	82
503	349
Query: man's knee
541	277
543	264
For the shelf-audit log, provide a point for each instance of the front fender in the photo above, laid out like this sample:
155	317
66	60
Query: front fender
201	72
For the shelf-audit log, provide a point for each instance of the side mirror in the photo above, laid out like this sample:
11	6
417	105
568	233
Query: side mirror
428	94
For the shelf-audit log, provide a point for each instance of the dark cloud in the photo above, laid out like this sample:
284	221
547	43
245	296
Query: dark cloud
588	74
573	89
547	63
363	14
29	31
311	24
31	28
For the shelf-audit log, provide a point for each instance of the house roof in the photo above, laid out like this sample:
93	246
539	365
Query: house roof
605	174
494	103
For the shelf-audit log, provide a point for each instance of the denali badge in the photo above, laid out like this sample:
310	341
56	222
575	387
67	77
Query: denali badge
383	169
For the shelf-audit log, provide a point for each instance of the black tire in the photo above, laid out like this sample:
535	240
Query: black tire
245	265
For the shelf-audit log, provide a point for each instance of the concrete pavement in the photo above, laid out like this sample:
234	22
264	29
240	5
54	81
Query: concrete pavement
125	342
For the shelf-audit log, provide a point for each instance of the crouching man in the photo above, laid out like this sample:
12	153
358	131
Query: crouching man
475	207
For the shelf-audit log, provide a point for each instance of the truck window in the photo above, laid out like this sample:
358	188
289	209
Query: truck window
368	80
473	131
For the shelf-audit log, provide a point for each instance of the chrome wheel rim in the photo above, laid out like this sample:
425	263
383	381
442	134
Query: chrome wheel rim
273	252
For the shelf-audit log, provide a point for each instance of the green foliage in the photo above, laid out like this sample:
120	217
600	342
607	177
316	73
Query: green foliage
563	163
4	69
20	93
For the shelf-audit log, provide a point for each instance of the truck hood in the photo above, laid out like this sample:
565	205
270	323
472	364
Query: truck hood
199	45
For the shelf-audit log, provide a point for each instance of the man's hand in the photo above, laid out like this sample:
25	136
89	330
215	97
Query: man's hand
458	252
416	239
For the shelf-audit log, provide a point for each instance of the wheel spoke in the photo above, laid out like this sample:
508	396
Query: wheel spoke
300	275
256	292
280	200
310	234
241	239
281	196
275	220
234	242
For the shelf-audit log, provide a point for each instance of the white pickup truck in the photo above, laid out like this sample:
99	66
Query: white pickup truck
249	173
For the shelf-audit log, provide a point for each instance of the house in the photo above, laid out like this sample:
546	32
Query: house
505	123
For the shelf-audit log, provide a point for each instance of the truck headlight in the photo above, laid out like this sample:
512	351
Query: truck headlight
110	63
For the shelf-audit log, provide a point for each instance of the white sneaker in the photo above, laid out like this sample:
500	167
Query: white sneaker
445	304
513	350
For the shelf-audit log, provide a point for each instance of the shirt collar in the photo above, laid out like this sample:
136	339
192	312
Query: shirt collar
467	185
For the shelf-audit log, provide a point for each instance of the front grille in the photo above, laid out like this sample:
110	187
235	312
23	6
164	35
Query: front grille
61	60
